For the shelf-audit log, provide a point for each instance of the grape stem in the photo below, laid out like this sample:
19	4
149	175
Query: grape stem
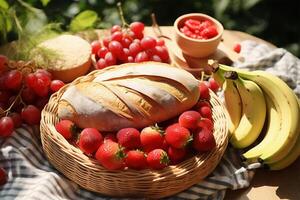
156	28
18	97
120	11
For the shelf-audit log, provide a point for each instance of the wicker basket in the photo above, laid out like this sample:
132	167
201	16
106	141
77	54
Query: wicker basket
89	174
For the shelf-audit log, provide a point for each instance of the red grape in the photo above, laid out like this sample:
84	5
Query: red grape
102	52
162	52
130	59
45	72
13	80
40	88
28	95
6	126
31	115
44	77
101	64
160	42
56	85
137	27
117	36
141	57
106	41
126	42
156	58
31	80
148	42
115	28
16	117
115	47
4	96
96	45
110	59
135	48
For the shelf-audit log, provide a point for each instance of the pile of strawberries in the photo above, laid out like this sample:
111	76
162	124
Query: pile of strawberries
153	147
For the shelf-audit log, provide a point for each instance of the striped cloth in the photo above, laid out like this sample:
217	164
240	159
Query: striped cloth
30	175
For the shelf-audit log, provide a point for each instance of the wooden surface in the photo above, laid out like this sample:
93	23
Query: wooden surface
268	185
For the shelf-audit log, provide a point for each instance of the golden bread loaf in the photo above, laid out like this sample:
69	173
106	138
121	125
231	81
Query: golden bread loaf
73	57
129	95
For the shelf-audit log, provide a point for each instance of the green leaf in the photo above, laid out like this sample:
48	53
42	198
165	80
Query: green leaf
4	4
250	3
83	20
45	2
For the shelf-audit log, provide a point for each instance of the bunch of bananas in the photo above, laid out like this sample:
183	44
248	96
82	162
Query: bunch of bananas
261	105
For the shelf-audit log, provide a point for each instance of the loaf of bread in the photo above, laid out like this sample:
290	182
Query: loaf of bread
129	95
71	59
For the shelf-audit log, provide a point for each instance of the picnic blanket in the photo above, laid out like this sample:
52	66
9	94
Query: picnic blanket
31	176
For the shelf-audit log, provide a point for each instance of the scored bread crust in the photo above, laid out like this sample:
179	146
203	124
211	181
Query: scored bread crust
129	95
73	57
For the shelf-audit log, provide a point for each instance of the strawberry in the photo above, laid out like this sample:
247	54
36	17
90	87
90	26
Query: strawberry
189	119
176	155
66	128
206	123
204	140
204	91
110	137
129	138
202	103
237	48
177	136
3	176
152	137
136	159
111	155
157	159
90	140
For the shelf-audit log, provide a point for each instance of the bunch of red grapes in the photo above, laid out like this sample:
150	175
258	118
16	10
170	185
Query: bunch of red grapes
128	45
23	96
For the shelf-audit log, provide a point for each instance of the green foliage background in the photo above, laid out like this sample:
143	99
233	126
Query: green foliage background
276	21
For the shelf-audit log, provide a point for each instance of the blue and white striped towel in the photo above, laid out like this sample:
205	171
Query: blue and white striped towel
30	176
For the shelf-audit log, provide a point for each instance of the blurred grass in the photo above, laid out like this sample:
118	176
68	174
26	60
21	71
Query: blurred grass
276	21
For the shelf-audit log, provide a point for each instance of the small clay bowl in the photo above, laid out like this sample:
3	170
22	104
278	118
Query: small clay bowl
199	48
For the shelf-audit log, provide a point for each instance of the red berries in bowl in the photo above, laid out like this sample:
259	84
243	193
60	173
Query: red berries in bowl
128	45
198	35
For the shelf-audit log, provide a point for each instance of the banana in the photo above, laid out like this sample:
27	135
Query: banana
290	158
286	103
252	120
233	104
274	119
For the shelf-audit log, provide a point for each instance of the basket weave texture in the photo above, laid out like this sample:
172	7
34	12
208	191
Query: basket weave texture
89	174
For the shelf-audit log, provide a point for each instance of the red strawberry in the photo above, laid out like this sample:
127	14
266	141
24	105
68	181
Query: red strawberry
3	176
177	136
136	159
204	91
152	137
176	155
213	85
66	128
111	155
129	138
237	48
157	159
90	140
204	140
110	137
189	119
206	123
